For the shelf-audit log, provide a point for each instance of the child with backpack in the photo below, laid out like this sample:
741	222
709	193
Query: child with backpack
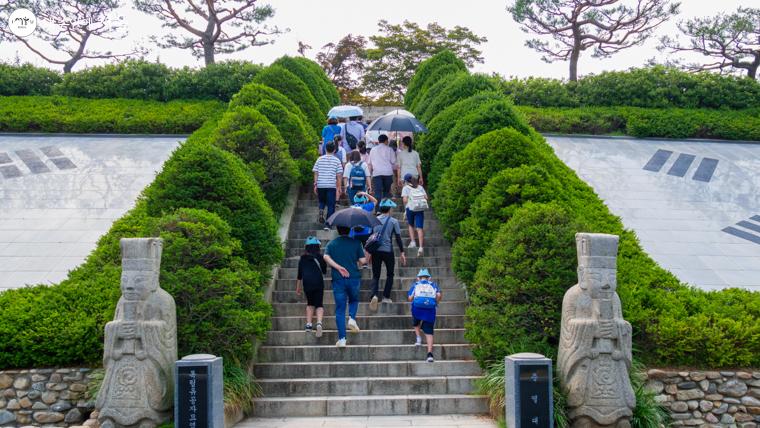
416	201
366	202
311	270
424	295
356	175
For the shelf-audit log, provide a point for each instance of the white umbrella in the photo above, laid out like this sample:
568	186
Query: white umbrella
345	111
401	112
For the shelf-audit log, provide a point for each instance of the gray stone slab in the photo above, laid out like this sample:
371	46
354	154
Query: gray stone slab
32	161
742	234
681	165
50	222
658	160
705	170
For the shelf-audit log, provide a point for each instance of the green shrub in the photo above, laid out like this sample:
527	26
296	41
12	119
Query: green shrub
200	175
428	143
328	88
428	72
253	94
488	116
518	288
128	79
540	92
586	120
299	137
219	298
505	192
426	98
218	81
472	167
291	86
249	134
463	86
26	79
308	77
79	115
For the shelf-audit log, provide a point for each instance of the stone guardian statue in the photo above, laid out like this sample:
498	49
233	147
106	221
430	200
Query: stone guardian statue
595	341
140	344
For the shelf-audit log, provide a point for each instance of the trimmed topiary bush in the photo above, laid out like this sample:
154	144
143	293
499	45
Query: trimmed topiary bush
200	175
428	72
27	79
461	87
249	134
488	116
516	296
505	193
328	88
291	86
299	137
433	91
472	167
308	77
427	144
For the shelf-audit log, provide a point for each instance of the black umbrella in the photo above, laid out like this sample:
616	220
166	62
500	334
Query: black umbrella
397	122
352	217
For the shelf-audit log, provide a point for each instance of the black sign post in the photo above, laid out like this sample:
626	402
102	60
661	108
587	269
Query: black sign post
528	383
198	393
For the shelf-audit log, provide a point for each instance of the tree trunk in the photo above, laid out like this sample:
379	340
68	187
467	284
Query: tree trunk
208	51
68	65
752	69
574	55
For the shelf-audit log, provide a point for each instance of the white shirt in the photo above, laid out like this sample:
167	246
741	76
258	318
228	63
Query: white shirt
350	165
407	162
327	168
383	160
356	129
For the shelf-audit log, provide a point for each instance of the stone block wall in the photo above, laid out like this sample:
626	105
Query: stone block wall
44	397
708	398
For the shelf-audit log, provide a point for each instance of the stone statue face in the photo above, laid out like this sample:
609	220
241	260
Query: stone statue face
137	285
600	282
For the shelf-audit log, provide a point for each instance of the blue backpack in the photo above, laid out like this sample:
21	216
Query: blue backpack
357	178
424	295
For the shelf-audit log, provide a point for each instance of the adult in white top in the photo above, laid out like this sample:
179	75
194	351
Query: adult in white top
409	162
382	164
354	128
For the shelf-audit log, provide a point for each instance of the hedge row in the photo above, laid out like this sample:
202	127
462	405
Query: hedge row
640	122
513	208
79	115
650	87
138	79
215	204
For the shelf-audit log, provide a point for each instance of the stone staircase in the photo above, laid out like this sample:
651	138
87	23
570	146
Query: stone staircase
380	372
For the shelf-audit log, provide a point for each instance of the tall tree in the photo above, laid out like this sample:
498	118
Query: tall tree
343	64
607	26
66	29
732	41
212	27
399	49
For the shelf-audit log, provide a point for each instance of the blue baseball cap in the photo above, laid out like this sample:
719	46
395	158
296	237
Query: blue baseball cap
332	116
312	240
408	177
360	199
424	272
388	203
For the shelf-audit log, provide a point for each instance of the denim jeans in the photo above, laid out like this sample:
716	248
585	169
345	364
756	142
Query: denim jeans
345	289
381	184
326	197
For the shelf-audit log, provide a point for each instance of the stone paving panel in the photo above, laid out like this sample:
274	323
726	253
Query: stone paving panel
695	205
59	194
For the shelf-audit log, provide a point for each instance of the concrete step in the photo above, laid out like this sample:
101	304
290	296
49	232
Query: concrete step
318	231
373	322
395	308
362	352
364	295
332	369
368	386
427	261
400	271
430	242
367	337
371	405
445	283
297	246
304	222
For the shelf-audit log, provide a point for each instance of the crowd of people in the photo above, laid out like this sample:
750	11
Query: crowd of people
372	175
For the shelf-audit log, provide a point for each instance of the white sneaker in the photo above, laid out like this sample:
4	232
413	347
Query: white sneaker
430	358
412	245
341	343
373	304
418	343
387	300
353	326
319	330
420	252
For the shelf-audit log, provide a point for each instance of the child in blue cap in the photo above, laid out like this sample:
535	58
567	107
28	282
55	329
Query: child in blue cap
368	203
311	271
424	295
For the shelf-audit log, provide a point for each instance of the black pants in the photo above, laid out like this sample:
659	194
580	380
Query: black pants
381	185
378	258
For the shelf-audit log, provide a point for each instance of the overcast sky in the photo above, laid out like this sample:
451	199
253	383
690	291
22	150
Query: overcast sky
317	22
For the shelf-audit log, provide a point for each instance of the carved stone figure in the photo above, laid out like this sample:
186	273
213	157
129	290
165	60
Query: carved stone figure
140	344
595	341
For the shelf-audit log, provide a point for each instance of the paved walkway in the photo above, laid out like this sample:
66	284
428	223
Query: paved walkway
694	205
448	421
59	194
